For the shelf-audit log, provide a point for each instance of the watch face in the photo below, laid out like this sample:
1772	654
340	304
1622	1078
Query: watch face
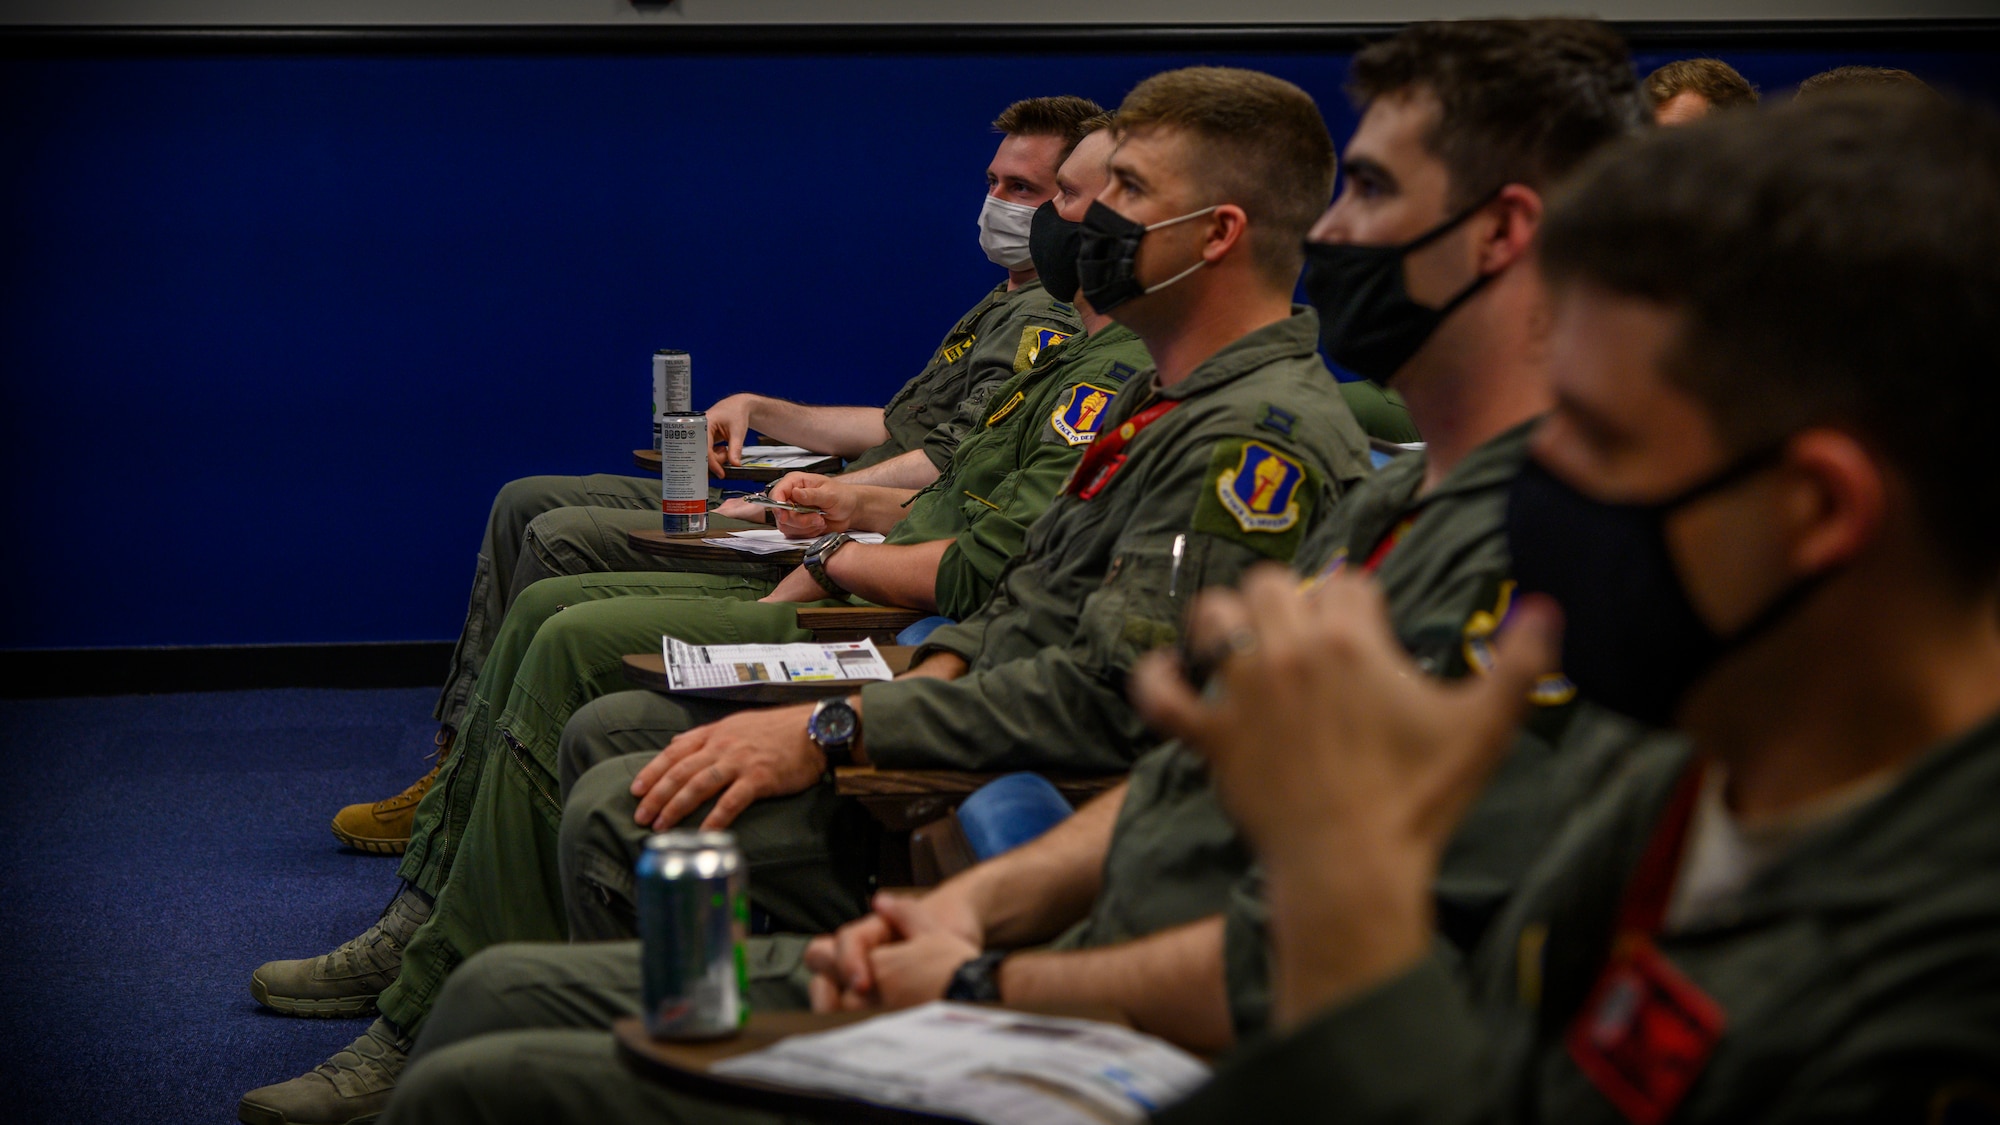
833	725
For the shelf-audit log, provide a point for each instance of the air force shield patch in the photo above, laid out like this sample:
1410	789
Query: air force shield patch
1034	341
1080	412
1258	492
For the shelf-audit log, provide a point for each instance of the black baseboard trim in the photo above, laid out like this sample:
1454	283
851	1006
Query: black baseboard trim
42	673
22	41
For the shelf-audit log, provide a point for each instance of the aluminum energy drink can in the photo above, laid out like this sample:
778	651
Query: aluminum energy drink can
684	473
694	910
673	387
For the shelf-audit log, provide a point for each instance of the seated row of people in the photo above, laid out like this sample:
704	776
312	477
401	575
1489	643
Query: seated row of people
1661	379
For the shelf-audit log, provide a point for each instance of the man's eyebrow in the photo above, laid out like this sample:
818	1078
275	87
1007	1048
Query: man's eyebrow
1367	168
1127	173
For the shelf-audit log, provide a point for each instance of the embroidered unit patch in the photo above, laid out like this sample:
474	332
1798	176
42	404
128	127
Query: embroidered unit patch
1259	492
1078	415
1034	341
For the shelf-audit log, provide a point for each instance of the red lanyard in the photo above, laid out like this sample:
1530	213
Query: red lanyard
1388	543
1645	1033
1106	455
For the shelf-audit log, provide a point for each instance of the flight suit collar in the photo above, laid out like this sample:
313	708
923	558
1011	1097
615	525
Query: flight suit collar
1937	819
1493	464
1295	337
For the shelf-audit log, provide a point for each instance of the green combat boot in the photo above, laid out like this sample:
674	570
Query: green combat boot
350	1088
346	981
383	827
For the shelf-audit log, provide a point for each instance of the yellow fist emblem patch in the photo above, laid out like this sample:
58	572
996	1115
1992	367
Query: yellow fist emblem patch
1259	492
1078	416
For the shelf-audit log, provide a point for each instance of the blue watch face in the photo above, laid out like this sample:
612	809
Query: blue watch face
833	725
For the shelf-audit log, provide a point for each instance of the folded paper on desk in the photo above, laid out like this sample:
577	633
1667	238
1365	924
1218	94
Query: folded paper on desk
773	542
779	457
714	666
983	1064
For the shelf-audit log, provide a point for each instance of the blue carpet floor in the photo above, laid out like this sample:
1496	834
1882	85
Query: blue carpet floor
158	848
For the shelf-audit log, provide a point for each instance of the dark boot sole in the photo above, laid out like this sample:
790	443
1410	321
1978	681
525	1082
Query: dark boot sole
258	1115
341	1007
372	846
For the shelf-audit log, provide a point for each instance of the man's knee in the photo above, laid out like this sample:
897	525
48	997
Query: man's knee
474	998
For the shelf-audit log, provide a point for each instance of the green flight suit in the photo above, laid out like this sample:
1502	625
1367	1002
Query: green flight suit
1096	586
1858	978
484	842
542	527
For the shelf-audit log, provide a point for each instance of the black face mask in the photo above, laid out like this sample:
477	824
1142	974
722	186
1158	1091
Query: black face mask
1108	259
1367	322
1631	639
1053	242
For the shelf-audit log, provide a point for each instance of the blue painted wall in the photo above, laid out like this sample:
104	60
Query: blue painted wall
273	330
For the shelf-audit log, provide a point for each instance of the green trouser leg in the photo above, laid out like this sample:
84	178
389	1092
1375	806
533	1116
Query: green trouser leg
810	855
586	540
520	1035
442	814
515	506
501	881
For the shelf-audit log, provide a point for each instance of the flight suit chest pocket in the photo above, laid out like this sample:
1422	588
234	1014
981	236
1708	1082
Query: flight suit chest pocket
1142	603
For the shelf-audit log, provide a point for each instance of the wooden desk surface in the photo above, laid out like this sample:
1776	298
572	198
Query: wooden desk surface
653	541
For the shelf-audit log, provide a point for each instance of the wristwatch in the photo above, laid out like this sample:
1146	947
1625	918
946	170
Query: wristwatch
821	550
835	727
978	980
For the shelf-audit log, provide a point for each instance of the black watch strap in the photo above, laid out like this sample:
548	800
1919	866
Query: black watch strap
978	980
816	556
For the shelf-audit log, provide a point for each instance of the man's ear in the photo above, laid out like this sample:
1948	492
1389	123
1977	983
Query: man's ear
1840	501
1518	210
1228	225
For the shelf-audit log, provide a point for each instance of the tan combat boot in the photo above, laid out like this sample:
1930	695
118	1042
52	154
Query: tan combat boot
384	827
350	1088
346	981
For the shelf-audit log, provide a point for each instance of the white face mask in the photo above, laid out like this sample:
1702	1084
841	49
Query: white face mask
1003	232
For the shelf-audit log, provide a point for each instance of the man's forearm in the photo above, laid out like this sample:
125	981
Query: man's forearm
1034	892
878	507
890	574
846	431
905	470
1169	983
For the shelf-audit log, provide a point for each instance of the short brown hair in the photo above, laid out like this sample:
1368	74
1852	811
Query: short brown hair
1835	262
1064	115
1264	147
1715	80
1858	78
1520	101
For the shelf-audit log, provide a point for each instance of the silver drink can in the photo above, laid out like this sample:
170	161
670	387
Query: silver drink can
673	387
684	473
694	911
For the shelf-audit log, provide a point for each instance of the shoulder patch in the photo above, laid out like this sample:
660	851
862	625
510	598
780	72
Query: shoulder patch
1278	420
1034	341
1006	408
1257	496
1079	413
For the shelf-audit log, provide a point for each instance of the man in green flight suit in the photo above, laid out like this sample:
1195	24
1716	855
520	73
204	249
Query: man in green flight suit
477	859
559	525
1754	530
1175	494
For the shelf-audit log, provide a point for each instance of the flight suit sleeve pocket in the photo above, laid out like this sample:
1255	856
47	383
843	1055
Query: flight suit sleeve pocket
1141	606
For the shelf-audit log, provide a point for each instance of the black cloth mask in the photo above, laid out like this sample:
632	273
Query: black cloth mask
1367	322
1053	242
1632	640
1108	259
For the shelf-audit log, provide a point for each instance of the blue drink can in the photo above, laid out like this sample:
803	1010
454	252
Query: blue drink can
694	911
